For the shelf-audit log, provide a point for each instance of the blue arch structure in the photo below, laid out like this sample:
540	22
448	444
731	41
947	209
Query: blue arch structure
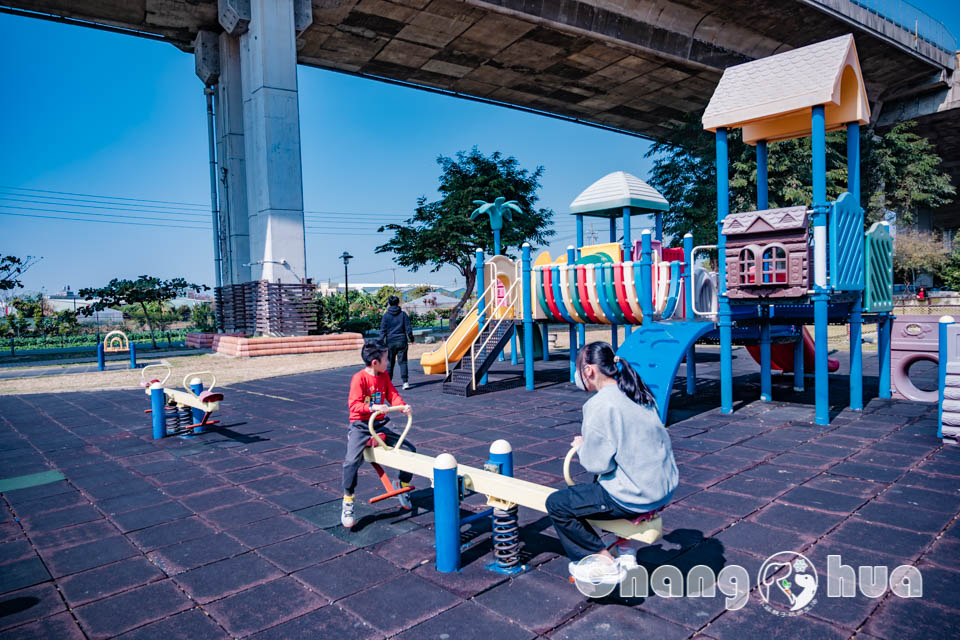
656	350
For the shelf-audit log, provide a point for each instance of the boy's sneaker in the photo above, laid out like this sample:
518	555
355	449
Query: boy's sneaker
404	498
346	513
406	385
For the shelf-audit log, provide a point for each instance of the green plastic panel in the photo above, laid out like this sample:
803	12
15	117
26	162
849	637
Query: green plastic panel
878	294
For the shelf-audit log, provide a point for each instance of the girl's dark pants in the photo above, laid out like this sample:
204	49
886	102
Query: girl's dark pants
571	507
398	355
357	437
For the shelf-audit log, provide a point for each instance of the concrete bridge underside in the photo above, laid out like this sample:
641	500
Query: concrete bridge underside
633	65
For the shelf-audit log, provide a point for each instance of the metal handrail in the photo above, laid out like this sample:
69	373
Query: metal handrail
495	316
446	358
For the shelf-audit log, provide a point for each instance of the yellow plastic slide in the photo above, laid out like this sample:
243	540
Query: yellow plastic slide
458	344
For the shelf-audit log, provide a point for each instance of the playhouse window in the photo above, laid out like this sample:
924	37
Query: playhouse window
748	266
774	265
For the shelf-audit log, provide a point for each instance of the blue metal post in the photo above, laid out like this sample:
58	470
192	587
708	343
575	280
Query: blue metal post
627	248
688	310
658	225
884	330
574	328
101	358
446	513
646	287
766	388
545	328
501	456
724	321
581	329
856	311
156	410
821	294
133	355
196	385
527	317
798	366
614	329
762	182
481	315
942	356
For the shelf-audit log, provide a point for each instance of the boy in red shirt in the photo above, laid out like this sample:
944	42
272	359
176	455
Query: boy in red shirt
370	389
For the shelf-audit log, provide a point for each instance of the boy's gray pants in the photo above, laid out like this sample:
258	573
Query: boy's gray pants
357	437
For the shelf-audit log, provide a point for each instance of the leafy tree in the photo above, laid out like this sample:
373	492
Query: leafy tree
202	316
916	252
143	291
383	295
441	233
420	290
899	170
11	268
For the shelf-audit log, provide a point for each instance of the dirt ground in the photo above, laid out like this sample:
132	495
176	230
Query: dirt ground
232	370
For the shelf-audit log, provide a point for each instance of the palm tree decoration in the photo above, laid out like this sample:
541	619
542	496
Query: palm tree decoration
498	210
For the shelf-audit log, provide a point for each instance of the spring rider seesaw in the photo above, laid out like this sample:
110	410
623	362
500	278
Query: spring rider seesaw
180	413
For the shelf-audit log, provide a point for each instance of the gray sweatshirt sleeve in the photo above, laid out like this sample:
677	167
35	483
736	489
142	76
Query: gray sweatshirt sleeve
597	453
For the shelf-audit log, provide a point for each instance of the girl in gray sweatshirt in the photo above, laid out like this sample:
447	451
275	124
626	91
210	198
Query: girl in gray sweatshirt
624	443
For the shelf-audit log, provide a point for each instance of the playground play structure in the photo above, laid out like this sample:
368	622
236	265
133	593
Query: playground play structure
452	482
180	413
116	342
779	269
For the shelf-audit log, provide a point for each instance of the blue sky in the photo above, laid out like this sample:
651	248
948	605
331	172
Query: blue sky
91	112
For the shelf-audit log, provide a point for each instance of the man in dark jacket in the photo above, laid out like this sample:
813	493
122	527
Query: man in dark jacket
397	332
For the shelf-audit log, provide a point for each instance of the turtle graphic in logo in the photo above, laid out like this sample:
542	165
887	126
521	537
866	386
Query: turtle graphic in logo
787	583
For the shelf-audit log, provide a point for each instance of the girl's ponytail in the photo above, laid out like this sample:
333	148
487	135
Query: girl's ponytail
609	364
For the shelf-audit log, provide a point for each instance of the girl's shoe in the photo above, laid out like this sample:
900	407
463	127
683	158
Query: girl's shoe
346	513
404	498
597	572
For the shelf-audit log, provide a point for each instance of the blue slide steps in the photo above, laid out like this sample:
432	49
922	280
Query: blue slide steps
656	350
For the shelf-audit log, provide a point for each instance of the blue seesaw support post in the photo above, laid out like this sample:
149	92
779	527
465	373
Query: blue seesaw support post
446	513
133	355
884	329
614	328
798	366
627	248
821	294
724	321
527	317
101	357
196	385
688	283
766	387
499	461
574	328
157	398
943	354
856	311
646	287
481	315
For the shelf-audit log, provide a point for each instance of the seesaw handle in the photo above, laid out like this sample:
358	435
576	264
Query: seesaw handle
195	374
373	416
165	366
566	466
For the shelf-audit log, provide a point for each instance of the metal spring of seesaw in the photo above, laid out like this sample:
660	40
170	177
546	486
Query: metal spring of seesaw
506	537
177	418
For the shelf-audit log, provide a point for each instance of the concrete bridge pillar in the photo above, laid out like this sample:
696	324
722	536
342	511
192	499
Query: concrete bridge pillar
233	172
260	138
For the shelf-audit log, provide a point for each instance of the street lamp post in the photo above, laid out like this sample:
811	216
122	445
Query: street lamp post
345	256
